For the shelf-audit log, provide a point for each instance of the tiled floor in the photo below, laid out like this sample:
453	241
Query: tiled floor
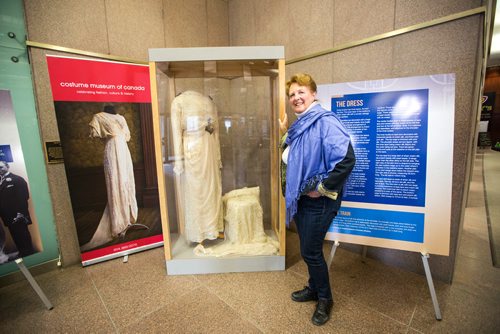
137	297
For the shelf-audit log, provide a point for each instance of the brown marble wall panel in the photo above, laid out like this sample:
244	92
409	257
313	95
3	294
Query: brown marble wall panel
72	23
366	62
45	103
128	28
185	23
413	12
445	48
242	30
451	47
218	22
271	22
134	26
320	68
119	27
310	27
357	19
63	212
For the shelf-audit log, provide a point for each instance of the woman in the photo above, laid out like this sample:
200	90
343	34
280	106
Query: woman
319	158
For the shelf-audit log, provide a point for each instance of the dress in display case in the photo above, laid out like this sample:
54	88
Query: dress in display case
216	126
197	164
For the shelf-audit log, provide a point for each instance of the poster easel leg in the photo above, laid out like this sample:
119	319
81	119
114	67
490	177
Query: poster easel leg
33	283
332	253
428	275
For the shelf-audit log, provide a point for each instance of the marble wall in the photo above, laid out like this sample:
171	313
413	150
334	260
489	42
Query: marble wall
128	28
305	27
124	28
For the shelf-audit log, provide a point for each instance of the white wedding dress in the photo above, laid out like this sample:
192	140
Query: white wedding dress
121	209
197	165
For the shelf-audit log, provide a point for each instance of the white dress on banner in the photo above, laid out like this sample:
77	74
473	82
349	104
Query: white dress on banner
197	166
121	209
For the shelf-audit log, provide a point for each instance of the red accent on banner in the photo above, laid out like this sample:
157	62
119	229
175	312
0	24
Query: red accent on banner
87	256
89	80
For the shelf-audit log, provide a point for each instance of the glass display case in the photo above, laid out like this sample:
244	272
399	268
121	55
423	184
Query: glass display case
216	117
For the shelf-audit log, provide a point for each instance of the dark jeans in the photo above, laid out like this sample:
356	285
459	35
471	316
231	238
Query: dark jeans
313	218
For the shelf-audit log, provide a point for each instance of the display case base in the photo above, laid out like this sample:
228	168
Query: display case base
185	262
225	265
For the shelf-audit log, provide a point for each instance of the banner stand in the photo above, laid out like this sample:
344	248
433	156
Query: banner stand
90	95
33	283
428	275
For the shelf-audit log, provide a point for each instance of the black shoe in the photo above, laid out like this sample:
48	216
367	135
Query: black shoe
322	313
304	295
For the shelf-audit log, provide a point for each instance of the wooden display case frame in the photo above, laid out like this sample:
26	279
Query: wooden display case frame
224	62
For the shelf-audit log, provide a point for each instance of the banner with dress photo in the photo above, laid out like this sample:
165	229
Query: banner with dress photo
104	117
19	229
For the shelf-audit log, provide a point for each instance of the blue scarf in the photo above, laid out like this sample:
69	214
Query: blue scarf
318	141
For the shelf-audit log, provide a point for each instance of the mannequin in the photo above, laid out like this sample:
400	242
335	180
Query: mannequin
197	166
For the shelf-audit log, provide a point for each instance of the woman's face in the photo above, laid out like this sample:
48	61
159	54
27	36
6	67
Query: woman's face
300	97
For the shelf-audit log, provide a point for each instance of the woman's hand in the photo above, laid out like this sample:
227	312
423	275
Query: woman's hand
283	123
314	194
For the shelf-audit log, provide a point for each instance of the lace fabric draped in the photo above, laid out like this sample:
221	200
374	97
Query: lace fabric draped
244	227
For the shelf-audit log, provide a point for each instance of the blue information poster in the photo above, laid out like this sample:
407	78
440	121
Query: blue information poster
390	131
406	226
399	193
